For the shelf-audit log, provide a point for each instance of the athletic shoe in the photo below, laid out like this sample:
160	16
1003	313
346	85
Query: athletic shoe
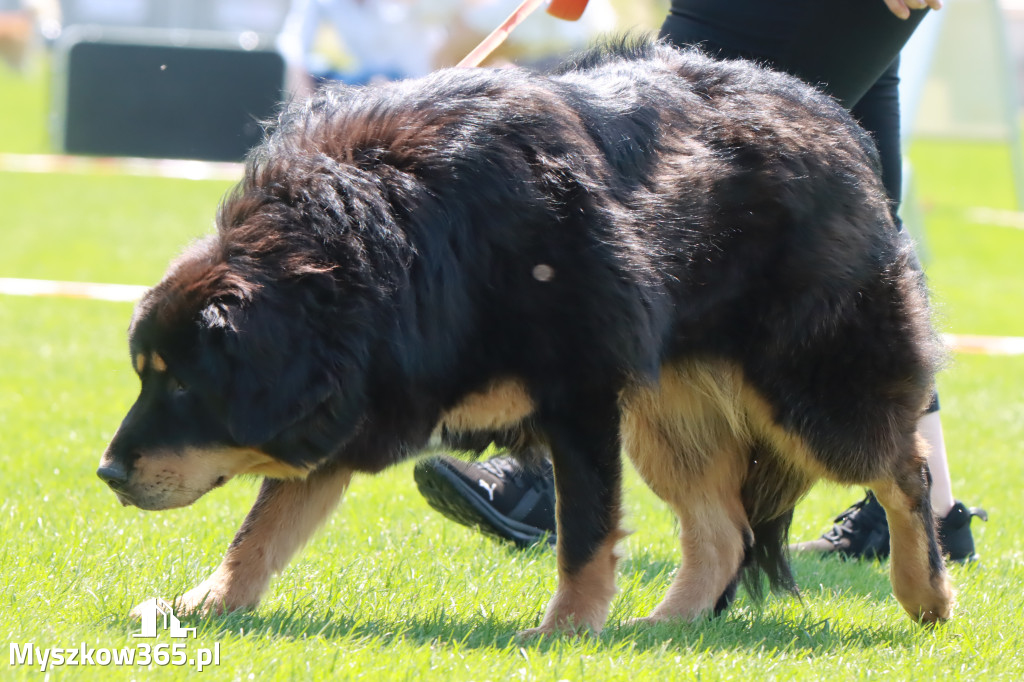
955	532
861	532
499	496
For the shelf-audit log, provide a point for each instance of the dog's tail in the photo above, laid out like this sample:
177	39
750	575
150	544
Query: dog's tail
768	558
770	492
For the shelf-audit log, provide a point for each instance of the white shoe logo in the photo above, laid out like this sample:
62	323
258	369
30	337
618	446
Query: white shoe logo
489	488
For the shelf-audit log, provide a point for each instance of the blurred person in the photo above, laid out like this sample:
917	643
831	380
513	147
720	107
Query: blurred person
387	39
537	42
393	39
850	49
21	25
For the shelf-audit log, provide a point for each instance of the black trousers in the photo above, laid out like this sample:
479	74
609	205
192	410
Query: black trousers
848	48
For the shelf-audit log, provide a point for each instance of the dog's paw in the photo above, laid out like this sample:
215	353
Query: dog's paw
937	613
212	598
202	600
652	620
185	605
536	634
206	599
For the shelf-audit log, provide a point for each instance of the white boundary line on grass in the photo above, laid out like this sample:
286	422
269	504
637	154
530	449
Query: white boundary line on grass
92	165
961	343
88	290
997	217
985	345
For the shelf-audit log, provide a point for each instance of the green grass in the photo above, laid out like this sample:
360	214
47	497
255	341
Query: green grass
109	229
24	116
390	590
975	269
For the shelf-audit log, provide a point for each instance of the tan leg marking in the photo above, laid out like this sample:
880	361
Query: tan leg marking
926	595
713	524
582	600
504	403
284	517
689	439
678	423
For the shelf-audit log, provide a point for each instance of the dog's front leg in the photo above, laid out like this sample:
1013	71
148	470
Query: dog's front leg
585	450
285	515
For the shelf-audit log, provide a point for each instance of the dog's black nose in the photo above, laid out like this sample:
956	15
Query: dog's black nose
113	475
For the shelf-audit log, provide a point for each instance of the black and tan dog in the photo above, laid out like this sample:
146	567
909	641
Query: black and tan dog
646	251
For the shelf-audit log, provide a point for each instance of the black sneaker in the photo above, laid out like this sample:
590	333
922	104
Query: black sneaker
955	532
861	532
499	496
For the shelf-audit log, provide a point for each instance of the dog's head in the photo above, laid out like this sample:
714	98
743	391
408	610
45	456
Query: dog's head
237	377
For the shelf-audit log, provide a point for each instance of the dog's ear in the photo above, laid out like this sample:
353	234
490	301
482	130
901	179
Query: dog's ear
281	388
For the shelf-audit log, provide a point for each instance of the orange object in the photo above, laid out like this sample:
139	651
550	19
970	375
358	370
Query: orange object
570	10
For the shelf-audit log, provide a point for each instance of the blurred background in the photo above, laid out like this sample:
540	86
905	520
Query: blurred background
191	78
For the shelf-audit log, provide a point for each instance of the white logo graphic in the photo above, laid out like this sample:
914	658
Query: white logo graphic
144	654
149	612
489	488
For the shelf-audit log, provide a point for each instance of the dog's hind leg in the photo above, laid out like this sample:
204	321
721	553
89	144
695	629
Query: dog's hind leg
284	517
691	447
916	568
714	535
585	451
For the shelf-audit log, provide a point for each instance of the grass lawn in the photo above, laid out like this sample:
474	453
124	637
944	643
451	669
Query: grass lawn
390	590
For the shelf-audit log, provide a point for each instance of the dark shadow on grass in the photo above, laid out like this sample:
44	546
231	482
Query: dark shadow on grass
751	630
756	630
745	627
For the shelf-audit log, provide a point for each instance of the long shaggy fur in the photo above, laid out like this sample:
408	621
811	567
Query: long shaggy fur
397	252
